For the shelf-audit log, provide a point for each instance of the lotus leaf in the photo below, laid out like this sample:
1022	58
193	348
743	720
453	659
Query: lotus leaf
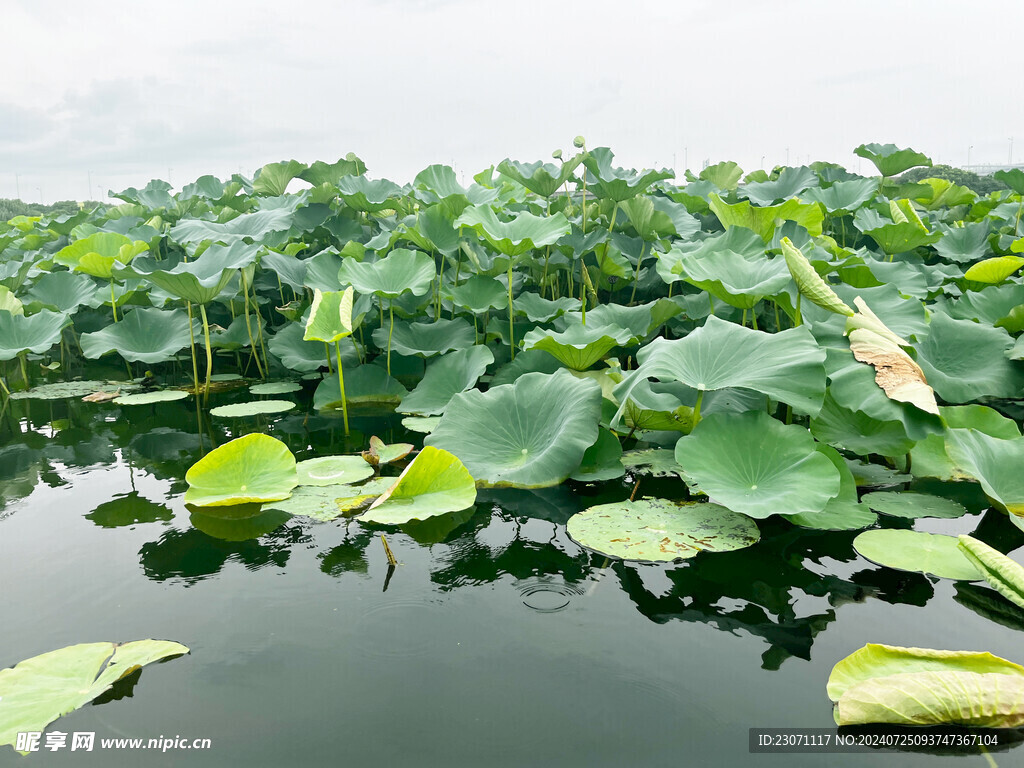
1003	574
843	196
275	388
330	316
381	453
30	333
993	462
434	483
369	196
252	468
333	470
272	179
994	270
67	389
427	339
659	462
661	530
37	691
9	302
328	502
63	292
930	457
858	432
252	408
738	279
400	271
809	282
842	513
149	398
261	226
617	184
602	460
579	346
97	254
446	377
480	294
531	433
524	233
142	335
540	310
764	220
912	505
300	355
363	384
422	424
542	179
931	553
891	160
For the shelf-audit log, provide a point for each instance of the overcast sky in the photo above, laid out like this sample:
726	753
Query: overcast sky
111	94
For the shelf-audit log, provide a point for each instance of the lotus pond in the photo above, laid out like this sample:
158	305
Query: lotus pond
569	466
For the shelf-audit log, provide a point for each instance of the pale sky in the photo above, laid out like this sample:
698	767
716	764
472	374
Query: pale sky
107	95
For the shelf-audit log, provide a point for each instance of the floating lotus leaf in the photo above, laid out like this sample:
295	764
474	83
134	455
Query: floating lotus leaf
67	389
32	333
252	468
809	282
333	470
422	424
525	232
931	553
1003	574
446	377
964	360
532	433
658	462
913	505
842	513
252	408
994	463
275	388
434	483
427	339
753	464
328	502
142	336
386	454
148	398
579	346
37	691
330	316
363	384
875	475
929	456
895	371
786	366
891	160
994	270
661	530
602	460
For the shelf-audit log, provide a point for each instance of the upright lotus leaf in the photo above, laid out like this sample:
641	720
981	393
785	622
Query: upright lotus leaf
579	346
786	366
10	303
543	179
199	281
964	360
902	237
333	470
382	453
63	292
288	346
272	179
843	196
362	194
791	183
724	175
994	270
753	464
895	371
842	512
918	552
763	220
96	254
33	333
809	282
330	316
331	173
446	377
931	459
858	432
540	310
142	336
617	184
525	232
480	294
602	460
661	530
891	160
912	505
253	468
739	279
995	463
530	434
434	483
37	691
400	271
427	339
264	225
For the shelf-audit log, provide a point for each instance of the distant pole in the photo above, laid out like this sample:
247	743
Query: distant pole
89	192
17	184
100	188
40	191
762	162
787	155
169	169
674	166
1009	159
686	158
969	156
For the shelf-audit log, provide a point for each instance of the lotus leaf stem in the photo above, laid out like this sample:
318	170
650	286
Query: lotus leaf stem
3	387
636	275
341	384
113	300
327	351
696	407
391	330
22	358
248	326
209	349
511	314
192	346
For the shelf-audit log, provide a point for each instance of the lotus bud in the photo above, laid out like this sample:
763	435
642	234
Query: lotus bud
579	142
557	154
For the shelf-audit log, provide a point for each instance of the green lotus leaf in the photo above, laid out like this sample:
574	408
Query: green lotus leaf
579	346
363	384
993	462
386	454
858	432
272	179
542	179
531	433
964	360
275	388
994	270
790	183
63	292
200	281
929	457
809	282
434	483
427	339
9	302
422	424
968	243
946	194
330	316
32	333
875	475
400	271
333	470
1017	352
753	464
96	254
446	377
142	336
259	226
724	175
602	460
913	505
149	398
661	530
368	196
300	355
737	278
658	462
252	408
989	305
540	310
37	691
763	220
843	196
843	512
891	160
480	294
786	366
1003	574
235	336
331	173
617	184
66	389
328	502
930	553
252	468
525	232
902	237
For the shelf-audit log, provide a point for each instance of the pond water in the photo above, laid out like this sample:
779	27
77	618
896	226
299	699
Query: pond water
496	641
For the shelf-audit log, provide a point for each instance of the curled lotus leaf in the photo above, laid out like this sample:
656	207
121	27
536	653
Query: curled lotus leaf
809	282
252	468
995	463
434	483
1006	576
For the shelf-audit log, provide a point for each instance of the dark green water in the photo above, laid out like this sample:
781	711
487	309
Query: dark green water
496	642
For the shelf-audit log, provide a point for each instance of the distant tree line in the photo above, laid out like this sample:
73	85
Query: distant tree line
9	208
979	184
